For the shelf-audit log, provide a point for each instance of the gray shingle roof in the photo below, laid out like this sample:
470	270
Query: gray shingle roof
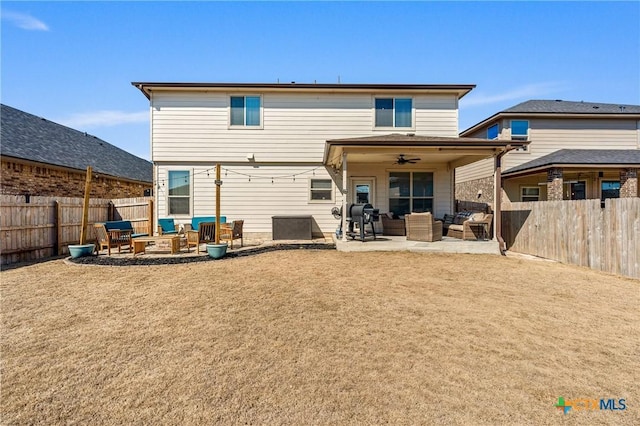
551	107
570	107
595	157
29	137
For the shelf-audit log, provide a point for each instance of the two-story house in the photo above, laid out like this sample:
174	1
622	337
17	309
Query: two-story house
306	148
577	150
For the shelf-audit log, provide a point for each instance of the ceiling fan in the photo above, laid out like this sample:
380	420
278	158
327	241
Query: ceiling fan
401	160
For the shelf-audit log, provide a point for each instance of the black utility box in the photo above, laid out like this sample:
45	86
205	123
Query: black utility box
291	227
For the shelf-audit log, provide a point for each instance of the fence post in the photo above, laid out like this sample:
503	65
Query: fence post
57	217
150	215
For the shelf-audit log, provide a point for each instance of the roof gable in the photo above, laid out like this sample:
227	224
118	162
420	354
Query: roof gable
33	138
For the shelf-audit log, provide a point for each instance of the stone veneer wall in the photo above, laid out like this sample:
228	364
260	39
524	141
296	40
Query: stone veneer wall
554	184
468	191
18	178
629	183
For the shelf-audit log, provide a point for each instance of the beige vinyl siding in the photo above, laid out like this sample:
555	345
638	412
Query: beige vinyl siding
195	127
436	115
478	170
550	135
256	200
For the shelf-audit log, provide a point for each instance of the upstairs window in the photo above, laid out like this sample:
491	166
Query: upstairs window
393	112
245	110
520	130
492	132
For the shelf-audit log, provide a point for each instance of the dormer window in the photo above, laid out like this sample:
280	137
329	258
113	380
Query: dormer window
394	112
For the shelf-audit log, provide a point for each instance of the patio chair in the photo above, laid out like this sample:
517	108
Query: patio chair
205	234
422	227
167	226
392	226
232	231
477	228
113	238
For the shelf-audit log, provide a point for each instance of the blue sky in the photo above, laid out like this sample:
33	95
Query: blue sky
73	62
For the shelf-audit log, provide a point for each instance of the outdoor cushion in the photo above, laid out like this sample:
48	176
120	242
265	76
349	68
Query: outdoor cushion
456	227
123	225
477	217
168	226
195	221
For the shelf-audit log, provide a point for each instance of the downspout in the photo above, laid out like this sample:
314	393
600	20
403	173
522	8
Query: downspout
497	208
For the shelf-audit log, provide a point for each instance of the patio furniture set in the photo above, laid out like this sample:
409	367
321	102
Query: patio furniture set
424	227
119	234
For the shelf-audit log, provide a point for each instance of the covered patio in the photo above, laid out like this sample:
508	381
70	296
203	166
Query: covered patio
426	164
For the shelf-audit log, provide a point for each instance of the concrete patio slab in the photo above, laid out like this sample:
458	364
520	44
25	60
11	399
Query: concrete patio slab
396	243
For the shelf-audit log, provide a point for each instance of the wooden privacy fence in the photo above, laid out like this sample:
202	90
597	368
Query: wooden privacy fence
45	226
577	232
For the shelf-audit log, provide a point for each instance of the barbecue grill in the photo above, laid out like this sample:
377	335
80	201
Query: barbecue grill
362	214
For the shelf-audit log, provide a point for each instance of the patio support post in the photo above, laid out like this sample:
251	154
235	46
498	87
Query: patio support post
345	192
218	183
85	207
497	208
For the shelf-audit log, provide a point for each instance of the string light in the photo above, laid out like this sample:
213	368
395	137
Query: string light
248	176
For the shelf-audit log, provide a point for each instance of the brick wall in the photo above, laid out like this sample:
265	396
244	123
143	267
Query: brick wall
469	191
18	178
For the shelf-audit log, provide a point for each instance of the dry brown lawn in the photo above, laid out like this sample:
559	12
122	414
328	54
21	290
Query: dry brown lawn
318	337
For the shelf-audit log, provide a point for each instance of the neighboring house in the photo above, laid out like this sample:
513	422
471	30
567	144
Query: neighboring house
306	148
43	158
577	150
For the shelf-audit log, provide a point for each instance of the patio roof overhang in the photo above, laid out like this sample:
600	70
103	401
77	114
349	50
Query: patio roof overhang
455	152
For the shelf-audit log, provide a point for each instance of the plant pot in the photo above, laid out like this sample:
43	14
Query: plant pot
217	251
80	250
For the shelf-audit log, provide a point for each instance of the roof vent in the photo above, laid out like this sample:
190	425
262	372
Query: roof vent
622	108
595	107
558	100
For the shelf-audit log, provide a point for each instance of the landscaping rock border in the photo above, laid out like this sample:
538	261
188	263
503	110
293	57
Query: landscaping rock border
142	260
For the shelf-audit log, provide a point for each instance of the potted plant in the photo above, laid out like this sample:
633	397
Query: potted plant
217	251
80	250
84	249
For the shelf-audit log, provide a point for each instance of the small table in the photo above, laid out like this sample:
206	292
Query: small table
140	243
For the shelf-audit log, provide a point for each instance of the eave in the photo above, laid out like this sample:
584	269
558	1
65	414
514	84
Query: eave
454	151
547	115
148	87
